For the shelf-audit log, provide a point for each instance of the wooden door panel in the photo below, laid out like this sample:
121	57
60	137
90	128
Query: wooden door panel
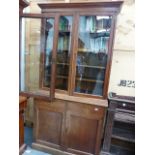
82	134
84	123
49	122
49	126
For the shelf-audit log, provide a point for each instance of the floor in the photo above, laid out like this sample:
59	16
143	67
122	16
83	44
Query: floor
28	141
28	137
29	151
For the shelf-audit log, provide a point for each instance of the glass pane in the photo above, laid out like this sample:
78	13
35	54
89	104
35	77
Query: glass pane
30	58
49	34
63	52
94	33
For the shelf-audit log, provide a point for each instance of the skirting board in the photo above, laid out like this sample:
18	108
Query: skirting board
50	150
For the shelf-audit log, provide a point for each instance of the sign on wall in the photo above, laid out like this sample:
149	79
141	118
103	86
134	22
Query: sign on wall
127	83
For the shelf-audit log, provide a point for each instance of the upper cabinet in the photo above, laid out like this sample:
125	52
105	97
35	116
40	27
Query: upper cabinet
68	49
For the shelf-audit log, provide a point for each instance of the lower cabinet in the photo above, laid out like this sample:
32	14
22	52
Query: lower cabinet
68	126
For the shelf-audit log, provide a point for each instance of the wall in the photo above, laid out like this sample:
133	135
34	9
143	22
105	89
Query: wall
124	53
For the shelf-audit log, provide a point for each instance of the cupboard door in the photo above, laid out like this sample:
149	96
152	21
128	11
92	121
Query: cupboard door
64	52
91	62
49	123
84	123
37	48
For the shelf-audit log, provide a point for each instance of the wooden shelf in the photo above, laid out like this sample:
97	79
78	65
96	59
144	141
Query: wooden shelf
60	51
89	66
80	50
62	77
83	79
123	138
89	80
58	63
121	117
63	32
105	34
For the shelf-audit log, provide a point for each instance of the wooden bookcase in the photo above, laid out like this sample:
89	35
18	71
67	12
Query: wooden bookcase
67	61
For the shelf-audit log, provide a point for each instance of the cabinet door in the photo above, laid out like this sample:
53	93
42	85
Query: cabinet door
84	124
49	123
64	50
36	68
92	53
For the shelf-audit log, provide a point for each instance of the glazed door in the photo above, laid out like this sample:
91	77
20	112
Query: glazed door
36	68
92	51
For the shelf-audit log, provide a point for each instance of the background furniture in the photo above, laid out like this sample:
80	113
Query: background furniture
22	106
120	126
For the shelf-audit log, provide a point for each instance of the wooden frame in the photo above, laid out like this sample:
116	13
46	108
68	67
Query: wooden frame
77	9
56	43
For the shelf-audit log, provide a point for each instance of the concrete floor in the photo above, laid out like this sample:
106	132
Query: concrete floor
30	151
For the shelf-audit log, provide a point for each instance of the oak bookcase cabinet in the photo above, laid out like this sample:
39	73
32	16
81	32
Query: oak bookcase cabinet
65	61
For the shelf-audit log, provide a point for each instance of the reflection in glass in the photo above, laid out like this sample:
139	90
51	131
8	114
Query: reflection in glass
63	52
30	56
49	33
94	33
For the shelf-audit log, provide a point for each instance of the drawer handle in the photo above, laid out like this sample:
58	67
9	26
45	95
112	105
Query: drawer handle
96	109
124	104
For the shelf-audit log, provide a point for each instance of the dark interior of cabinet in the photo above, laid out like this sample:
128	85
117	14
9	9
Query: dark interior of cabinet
124	131
123	139
118	150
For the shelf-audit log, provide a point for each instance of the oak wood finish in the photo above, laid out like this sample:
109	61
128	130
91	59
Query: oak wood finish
84	100
49	120
107	4
69	126
84	123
